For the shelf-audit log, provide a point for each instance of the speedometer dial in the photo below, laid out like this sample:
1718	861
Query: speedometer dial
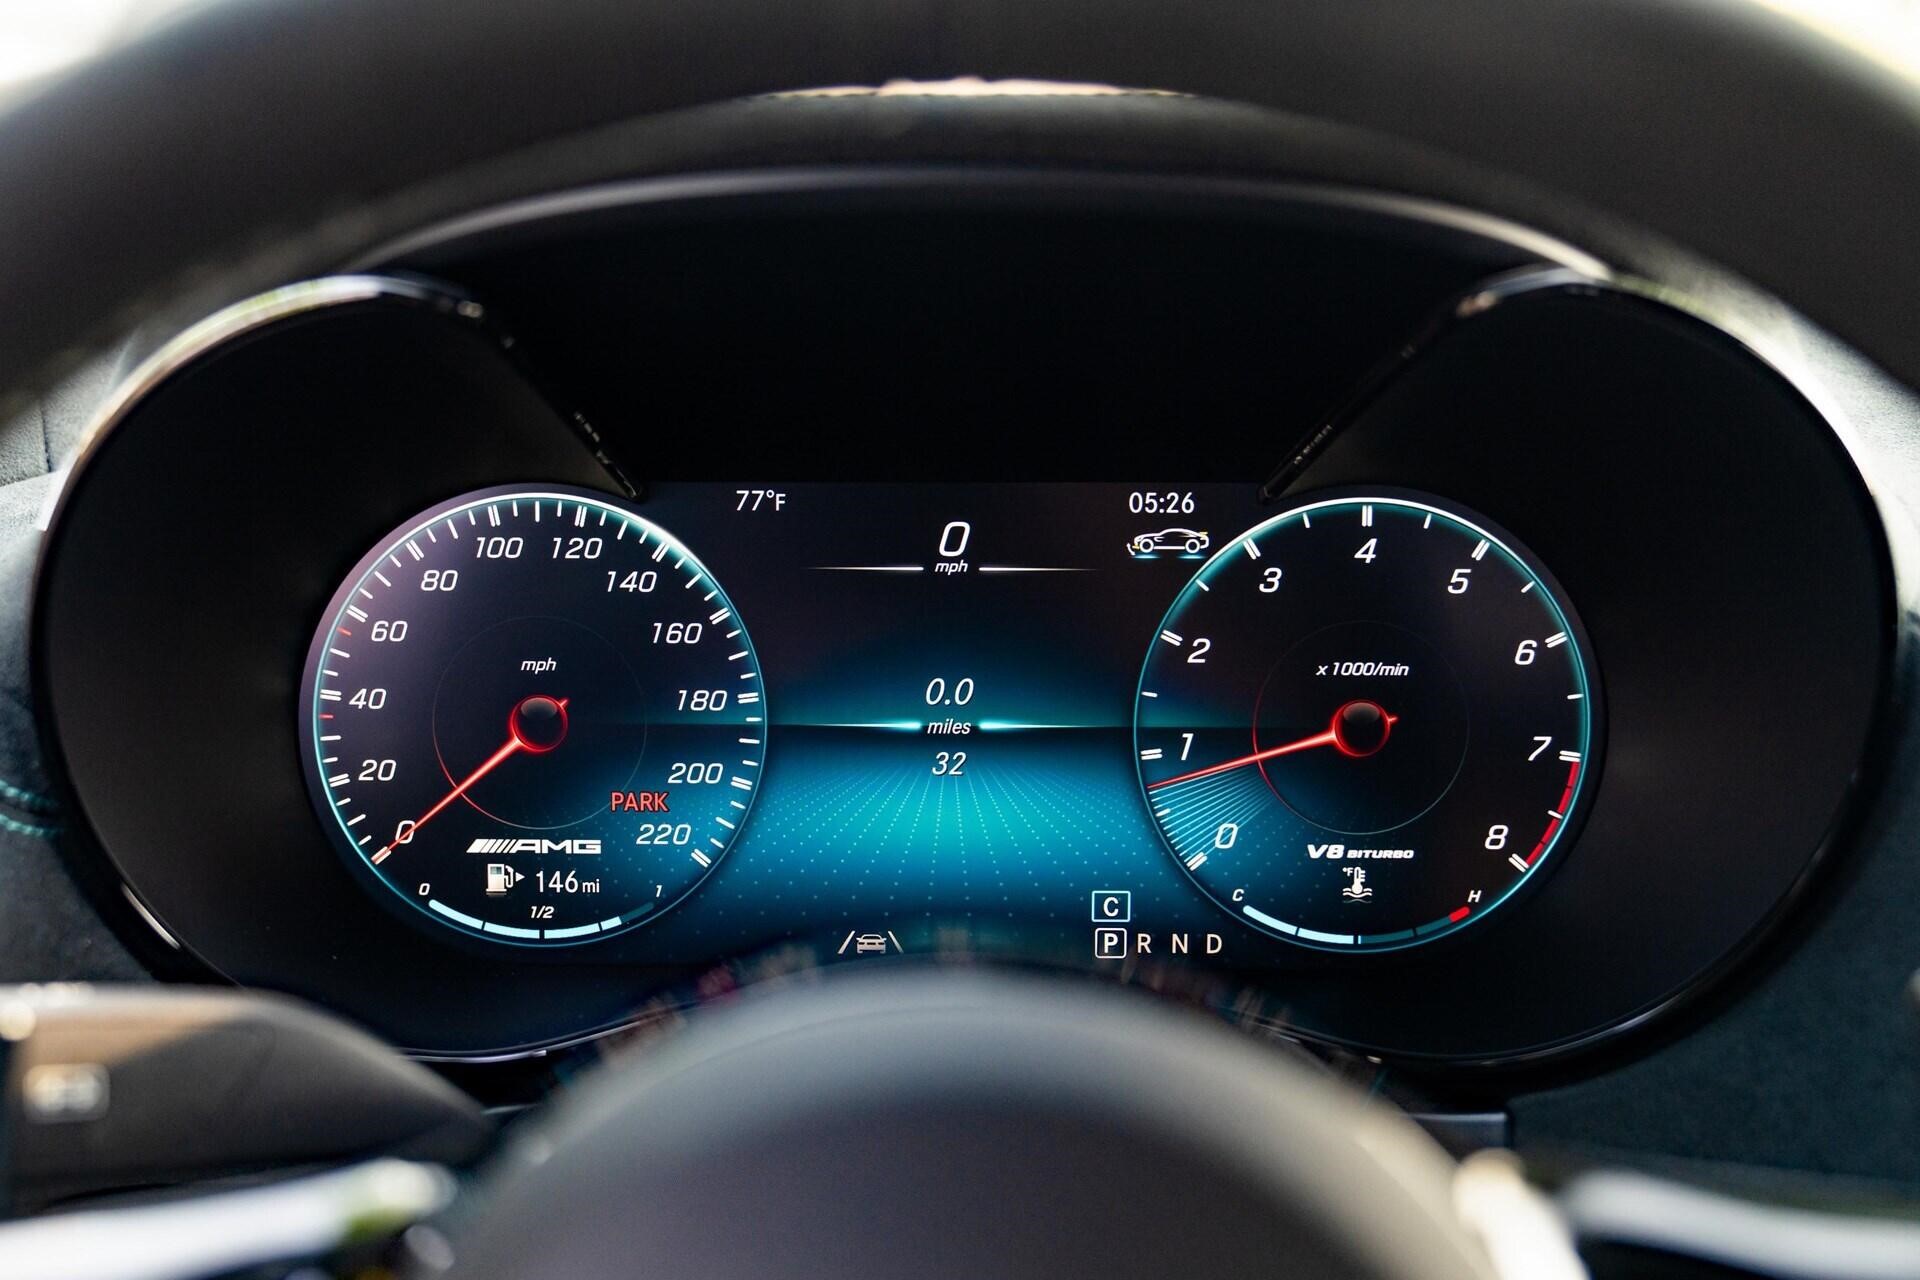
1367	722
533	717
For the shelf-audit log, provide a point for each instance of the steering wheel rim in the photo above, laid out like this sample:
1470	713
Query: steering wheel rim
941	1122
244	143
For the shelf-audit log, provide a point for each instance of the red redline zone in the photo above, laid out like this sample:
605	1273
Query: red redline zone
1553	824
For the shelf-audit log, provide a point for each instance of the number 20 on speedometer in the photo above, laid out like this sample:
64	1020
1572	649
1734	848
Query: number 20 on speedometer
1367	723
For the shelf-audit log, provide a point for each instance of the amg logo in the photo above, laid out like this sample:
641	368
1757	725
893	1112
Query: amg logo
491	846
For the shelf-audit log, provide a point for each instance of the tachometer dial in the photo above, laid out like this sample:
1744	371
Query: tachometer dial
1367	722
534	717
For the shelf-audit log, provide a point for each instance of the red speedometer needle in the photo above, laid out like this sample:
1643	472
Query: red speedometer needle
535	724
1357	729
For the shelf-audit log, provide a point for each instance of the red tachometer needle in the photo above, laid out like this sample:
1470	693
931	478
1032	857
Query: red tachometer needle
518	739
1334	735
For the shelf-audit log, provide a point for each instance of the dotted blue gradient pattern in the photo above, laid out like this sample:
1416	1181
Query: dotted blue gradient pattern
853	832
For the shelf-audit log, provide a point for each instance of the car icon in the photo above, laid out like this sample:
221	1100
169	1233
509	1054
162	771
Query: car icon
1190	541
868	943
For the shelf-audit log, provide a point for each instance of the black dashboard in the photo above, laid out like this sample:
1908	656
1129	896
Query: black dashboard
1372	621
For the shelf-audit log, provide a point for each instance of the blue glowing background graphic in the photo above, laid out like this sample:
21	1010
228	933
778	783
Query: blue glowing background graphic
853	832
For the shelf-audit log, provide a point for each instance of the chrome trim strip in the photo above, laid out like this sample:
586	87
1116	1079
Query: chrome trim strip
224	326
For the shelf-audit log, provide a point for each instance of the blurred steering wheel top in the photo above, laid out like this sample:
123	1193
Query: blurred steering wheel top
959	638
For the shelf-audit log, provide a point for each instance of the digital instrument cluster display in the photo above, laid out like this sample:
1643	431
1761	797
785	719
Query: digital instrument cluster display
1093	722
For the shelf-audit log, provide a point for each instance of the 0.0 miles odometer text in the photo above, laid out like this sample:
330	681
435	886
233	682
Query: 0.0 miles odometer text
534	717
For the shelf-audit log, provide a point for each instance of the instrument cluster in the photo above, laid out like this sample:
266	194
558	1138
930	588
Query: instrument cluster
400	657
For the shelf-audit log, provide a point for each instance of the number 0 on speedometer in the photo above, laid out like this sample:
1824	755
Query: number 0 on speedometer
1367	723
533	716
